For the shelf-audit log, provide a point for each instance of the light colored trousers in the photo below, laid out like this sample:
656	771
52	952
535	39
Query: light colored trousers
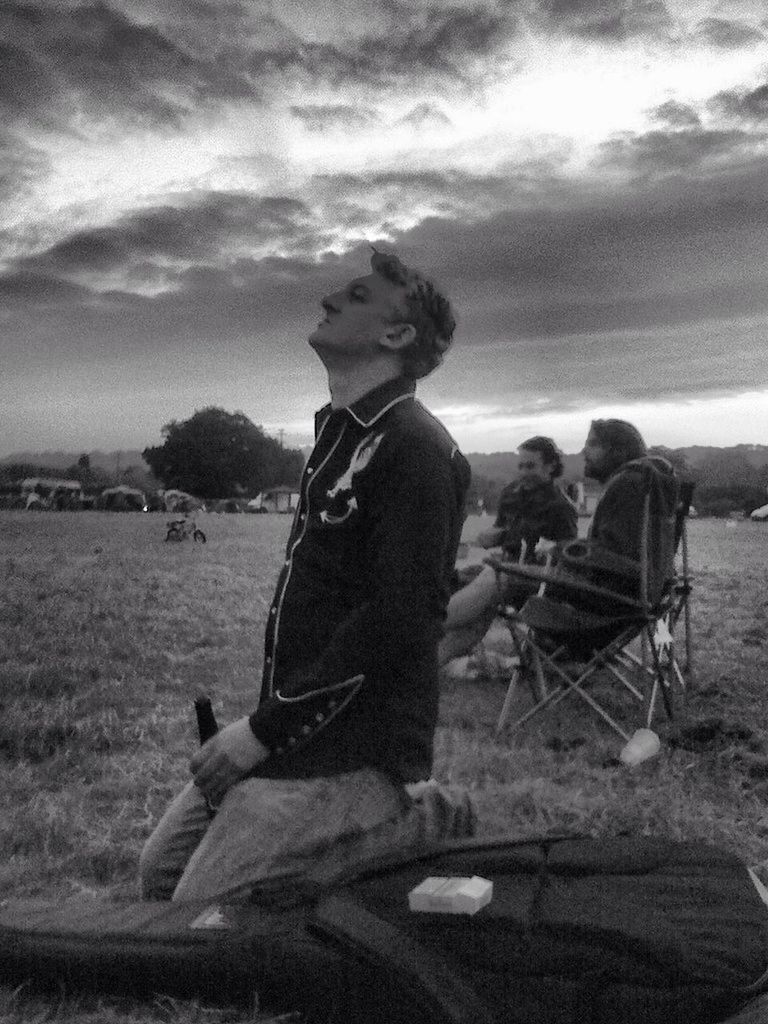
282	828
471	610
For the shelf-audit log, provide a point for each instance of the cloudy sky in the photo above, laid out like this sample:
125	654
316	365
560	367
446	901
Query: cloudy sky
181	182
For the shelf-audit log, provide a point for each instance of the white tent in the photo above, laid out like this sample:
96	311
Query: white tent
122	499
760	513
277	499
180	501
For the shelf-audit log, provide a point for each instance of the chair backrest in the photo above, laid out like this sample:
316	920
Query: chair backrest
630	548
663	520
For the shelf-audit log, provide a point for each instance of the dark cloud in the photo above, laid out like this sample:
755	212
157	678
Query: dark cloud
193	231
664	255
426	115
318	118
450	193
676	115
746	105
419	46
726	34
33	290
644	260
608	19
662	152
607	303
58	61
24	81
79	65
206	27
444	39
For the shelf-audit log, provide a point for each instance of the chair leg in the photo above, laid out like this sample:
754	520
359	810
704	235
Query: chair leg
539	689
689	672
567	686
509	697
670	680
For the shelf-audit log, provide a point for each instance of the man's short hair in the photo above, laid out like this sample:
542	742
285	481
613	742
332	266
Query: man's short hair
622	439
426	309
550	453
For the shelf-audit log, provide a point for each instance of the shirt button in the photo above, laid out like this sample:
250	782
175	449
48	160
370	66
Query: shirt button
331	704
306	730
273	611
310	471
268	660
291	741
279	750
319	717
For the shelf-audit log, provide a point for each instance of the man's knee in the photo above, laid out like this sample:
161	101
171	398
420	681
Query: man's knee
442	812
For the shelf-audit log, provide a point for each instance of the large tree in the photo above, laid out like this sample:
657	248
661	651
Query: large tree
217	454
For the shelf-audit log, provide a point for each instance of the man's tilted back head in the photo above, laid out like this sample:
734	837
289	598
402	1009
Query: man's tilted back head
425	308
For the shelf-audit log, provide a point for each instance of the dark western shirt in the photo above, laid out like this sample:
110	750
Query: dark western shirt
531	513
350	661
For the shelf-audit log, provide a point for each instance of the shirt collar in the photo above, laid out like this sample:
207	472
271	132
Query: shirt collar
372	406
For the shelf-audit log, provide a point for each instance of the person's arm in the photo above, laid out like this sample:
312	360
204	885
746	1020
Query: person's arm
410	504
490	538
498	534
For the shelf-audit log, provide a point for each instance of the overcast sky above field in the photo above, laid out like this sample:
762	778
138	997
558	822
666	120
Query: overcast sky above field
180	183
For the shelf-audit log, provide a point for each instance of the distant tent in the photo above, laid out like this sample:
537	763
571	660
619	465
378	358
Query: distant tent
180	501
760	514
122	499
277	499
44	492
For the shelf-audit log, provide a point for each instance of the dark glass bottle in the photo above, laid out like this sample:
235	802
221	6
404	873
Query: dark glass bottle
206	720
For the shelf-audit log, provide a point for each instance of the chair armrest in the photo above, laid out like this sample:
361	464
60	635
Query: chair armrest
573	585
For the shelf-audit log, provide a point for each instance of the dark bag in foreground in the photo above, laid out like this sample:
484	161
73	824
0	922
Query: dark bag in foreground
617	931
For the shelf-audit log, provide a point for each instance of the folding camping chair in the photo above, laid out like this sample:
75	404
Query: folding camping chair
561	647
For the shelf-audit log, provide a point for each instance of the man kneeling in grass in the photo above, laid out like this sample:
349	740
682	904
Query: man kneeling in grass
334	762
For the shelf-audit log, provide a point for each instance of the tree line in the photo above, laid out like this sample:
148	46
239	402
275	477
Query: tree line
212	455
218	454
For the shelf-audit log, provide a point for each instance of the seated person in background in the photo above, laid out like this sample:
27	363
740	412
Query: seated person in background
610	557
531	508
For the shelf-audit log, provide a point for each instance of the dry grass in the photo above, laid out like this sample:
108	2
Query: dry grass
107	633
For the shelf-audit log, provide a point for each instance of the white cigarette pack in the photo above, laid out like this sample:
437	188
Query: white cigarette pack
451	895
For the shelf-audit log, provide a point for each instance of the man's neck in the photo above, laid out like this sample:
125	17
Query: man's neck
349	383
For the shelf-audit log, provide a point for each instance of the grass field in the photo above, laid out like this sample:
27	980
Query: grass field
107	633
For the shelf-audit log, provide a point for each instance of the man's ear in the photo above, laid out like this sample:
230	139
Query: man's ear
397	336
